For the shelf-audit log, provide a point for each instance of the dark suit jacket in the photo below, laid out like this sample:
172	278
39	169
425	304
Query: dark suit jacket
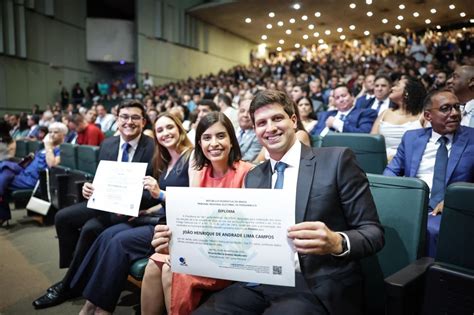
368	104
361	101
333	189
410	152
358	120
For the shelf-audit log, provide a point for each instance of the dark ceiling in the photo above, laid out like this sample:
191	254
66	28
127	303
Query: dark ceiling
336	18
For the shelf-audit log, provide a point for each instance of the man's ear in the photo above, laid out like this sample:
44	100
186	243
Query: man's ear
427	115
294	119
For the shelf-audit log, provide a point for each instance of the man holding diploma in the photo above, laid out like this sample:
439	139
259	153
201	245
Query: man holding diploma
336	221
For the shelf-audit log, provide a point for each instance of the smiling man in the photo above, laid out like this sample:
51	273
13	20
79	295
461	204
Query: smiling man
336	221
440	155
78	226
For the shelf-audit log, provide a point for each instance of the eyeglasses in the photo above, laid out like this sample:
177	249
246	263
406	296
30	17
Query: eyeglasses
125	118
446	109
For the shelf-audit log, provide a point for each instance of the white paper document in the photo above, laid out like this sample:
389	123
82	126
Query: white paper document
233	234
118	187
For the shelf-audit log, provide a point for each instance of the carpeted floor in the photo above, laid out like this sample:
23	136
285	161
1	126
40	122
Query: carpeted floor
29	265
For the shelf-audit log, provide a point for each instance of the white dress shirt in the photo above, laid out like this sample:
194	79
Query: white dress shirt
468	114
384	106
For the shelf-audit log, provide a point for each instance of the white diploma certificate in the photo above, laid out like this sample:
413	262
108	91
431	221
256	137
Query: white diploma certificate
118	187
233	234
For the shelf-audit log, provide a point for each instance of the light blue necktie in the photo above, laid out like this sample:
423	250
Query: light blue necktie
125	147
280	169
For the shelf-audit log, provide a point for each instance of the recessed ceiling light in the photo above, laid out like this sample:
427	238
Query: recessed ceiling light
327	32
401	7
471	20
304	17
269	26
342	37
366	33
288	32
278	48
311	27
352	27
352	5
281	41
280	23
321	41
339	30
462	14
305	36
264	37
416	14
297	45
452	6
398	26
292	20
296	6
438	27
317	14
384	21
316	34
433	11
400	17
427	21
369	13
271	14
248	20
369	2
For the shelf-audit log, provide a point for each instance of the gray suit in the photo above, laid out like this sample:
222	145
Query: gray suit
333	189
250	147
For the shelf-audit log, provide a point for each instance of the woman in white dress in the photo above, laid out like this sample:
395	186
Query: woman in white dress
408	94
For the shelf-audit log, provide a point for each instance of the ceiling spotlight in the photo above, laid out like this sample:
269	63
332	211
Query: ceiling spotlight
321	41
401	7
462	14
352	5
369	13
311	27
327	32
281	41
297	45
342	37
427	21
278	48
438	27
248	20
366	33
339	30
398	26
369	2
292	20
452	6
269	26
280	23
352	27
304	17
433	11
296	6
416	14
271	14
400	17
384	21
317	14
305	36
264	37
471	20
288	32
316	34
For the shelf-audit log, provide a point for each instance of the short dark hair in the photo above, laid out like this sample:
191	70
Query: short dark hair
304	87
383	76
267	97
344	86
205	122
224	98
76	119
210	104
428	102
130	104
413	95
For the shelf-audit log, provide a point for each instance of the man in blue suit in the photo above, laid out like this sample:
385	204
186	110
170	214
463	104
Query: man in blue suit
380	102
346	118
440	155
367	93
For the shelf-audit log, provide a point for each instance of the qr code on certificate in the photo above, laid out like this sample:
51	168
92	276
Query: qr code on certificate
277	270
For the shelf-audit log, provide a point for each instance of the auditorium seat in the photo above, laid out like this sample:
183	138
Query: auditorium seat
316	141
401	205
87	158
34	146
445	285
369	149
21	148
138	269
68	155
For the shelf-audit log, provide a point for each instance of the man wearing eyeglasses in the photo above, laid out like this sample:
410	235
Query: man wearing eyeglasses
78	226
440	155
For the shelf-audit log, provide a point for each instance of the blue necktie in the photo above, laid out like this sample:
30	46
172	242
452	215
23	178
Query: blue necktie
241	135
379	105
125	147
439	176
280	169
342	117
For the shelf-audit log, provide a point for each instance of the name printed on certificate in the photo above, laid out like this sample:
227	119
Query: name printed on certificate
118	187
233	234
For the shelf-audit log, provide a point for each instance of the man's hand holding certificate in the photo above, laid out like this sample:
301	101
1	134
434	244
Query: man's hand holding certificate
233	234
118	187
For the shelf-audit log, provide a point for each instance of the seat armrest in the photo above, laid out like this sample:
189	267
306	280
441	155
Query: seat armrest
78	184
404	288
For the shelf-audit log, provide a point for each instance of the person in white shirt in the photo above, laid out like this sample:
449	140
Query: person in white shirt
104	119
225	104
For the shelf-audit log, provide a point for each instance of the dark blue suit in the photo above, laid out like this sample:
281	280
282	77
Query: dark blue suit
362	101
460	165
358	120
